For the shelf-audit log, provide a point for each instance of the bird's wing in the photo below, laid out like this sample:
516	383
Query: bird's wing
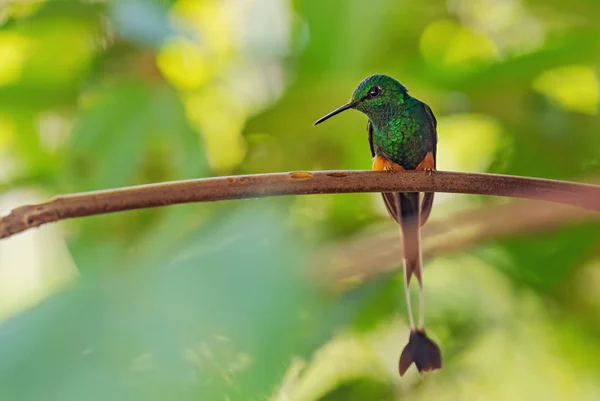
433	122
370	131
427	202
389	198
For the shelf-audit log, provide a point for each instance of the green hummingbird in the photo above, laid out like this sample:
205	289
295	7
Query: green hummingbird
402	136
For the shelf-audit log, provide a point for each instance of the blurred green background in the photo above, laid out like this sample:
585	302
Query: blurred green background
294	298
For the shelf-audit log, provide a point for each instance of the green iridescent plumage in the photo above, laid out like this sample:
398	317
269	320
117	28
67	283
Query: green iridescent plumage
403	127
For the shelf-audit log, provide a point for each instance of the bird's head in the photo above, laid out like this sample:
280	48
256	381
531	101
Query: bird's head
373	96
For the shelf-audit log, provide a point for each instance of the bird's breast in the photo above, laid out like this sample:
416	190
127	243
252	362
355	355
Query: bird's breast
402	147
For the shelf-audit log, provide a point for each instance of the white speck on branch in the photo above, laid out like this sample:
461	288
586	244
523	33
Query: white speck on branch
295	183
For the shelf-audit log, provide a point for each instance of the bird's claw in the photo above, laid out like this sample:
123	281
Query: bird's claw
429	170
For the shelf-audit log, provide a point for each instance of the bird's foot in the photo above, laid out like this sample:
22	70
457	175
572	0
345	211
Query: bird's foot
429	170
381	163
427	164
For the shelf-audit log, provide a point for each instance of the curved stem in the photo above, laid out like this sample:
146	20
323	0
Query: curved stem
294	183
366	255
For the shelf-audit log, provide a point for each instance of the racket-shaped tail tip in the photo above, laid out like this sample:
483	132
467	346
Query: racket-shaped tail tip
422	351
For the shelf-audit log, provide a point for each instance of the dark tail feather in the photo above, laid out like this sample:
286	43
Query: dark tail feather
408	205
391	204
389	198
426	206
422	351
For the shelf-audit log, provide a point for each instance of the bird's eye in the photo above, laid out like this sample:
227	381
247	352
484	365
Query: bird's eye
375	91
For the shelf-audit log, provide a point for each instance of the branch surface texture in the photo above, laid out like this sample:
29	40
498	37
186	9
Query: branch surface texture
295	183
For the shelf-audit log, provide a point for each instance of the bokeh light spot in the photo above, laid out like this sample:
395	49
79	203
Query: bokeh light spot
13	53
190	63
448	45
220	118
183	64
467	142
574	87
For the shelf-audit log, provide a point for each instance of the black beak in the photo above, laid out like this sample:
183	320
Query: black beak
333	113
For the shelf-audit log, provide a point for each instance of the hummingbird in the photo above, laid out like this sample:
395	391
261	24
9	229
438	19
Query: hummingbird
402	134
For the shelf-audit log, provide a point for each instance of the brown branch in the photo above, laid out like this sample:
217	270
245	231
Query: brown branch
373	254
295	183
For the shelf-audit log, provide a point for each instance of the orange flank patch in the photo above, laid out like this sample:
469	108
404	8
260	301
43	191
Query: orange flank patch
381	163
428	164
